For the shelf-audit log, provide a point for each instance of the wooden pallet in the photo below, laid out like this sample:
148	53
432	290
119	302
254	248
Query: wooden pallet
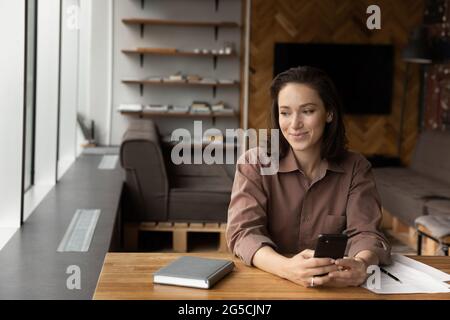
408	235
179	233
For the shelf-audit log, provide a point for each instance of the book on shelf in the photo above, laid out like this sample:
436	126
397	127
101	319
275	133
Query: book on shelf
208	81
178	77
156	108
169	79
193	272
130	108
154	78
226	81
200	107
193	78
179	109
221	108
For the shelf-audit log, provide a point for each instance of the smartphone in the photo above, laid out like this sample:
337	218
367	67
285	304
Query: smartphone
331	246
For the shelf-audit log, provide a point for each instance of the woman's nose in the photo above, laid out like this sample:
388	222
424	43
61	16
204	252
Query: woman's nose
297	122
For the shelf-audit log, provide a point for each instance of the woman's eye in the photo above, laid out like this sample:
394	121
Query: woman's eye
283	113
308	111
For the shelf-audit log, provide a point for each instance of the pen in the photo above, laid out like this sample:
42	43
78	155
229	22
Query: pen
390	275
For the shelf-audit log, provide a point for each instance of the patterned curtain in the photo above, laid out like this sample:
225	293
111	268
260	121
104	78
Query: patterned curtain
437	75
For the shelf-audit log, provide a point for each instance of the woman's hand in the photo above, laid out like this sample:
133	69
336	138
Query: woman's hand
351	273
302	267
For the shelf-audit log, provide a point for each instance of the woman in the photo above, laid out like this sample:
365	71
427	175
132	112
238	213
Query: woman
320	187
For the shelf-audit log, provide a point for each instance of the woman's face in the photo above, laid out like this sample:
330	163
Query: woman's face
302	116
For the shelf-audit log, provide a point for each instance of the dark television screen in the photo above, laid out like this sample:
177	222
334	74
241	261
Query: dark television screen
363	74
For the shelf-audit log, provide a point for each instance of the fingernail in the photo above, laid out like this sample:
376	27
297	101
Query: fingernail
332	261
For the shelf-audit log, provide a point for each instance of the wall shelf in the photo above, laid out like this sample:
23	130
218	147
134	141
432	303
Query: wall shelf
157	51
214	86
156	22
142	114
161	52
175	23
177	53
212	116
180	83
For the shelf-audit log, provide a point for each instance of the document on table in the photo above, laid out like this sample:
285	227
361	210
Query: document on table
415	277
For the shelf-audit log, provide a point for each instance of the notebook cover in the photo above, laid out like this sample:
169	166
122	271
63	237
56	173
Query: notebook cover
204	269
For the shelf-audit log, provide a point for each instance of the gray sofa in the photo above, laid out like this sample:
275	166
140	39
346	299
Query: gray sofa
157	190
405	191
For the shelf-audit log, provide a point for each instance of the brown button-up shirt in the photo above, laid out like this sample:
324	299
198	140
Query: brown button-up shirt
288	213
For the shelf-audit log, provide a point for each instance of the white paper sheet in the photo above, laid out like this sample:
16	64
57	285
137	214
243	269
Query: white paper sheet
415	277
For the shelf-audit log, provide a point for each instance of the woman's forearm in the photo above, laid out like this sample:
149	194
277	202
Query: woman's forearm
270	261
368	257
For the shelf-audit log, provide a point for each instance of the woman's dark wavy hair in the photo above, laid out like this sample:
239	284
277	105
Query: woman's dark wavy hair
334	142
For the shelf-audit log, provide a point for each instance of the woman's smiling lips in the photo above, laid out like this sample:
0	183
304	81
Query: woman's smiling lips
298	135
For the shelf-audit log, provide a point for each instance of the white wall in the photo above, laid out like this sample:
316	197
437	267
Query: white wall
12	55
69	99
47	90
100	71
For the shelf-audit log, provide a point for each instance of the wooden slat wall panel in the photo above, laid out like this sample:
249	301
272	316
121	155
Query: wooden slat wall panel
338	21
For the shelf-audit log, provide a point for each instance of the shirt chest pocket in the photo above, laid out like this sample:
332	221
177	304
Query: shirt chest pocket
333	224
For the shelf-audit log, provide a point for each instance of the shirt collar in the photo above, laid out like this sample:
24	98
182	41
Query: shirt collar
289	164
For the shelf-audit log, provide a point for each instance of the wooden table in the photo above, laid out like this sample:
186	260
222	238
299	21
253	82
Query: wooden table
130	276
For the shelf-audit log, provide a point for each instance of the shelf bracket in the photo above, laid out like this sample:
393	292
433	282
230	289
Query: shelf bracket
142	30
214	91
215	62
216	32
142	4
141	89
217	5
142	59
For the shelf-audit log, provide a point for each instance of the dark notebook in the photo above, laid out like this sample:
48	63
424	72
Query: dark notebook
193	272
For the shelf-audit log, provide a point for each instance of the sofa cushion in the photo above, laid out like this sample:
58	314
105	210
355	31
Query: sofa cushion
438	207
200	198
439	226
404	192
432	155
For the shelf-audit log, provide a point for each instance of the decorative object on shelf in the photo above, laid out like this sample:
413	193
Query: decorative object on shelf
200	107
155	78
229	47
88	130
193	78
178	77
221	108
179	109
130	108
155	108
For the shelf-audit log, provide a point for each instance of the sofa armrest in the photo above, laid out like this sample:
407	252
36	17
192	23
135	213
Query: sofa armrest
146	182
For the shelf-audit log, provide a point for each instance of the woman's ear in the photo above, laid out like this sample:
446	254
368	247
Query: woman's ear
329	117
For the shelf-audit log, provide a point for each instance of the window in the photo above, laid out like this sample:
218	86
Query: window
30	92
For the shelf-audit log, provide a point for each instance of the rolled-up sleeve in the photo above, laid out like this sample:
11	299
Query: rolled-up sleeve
246	229
364	215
